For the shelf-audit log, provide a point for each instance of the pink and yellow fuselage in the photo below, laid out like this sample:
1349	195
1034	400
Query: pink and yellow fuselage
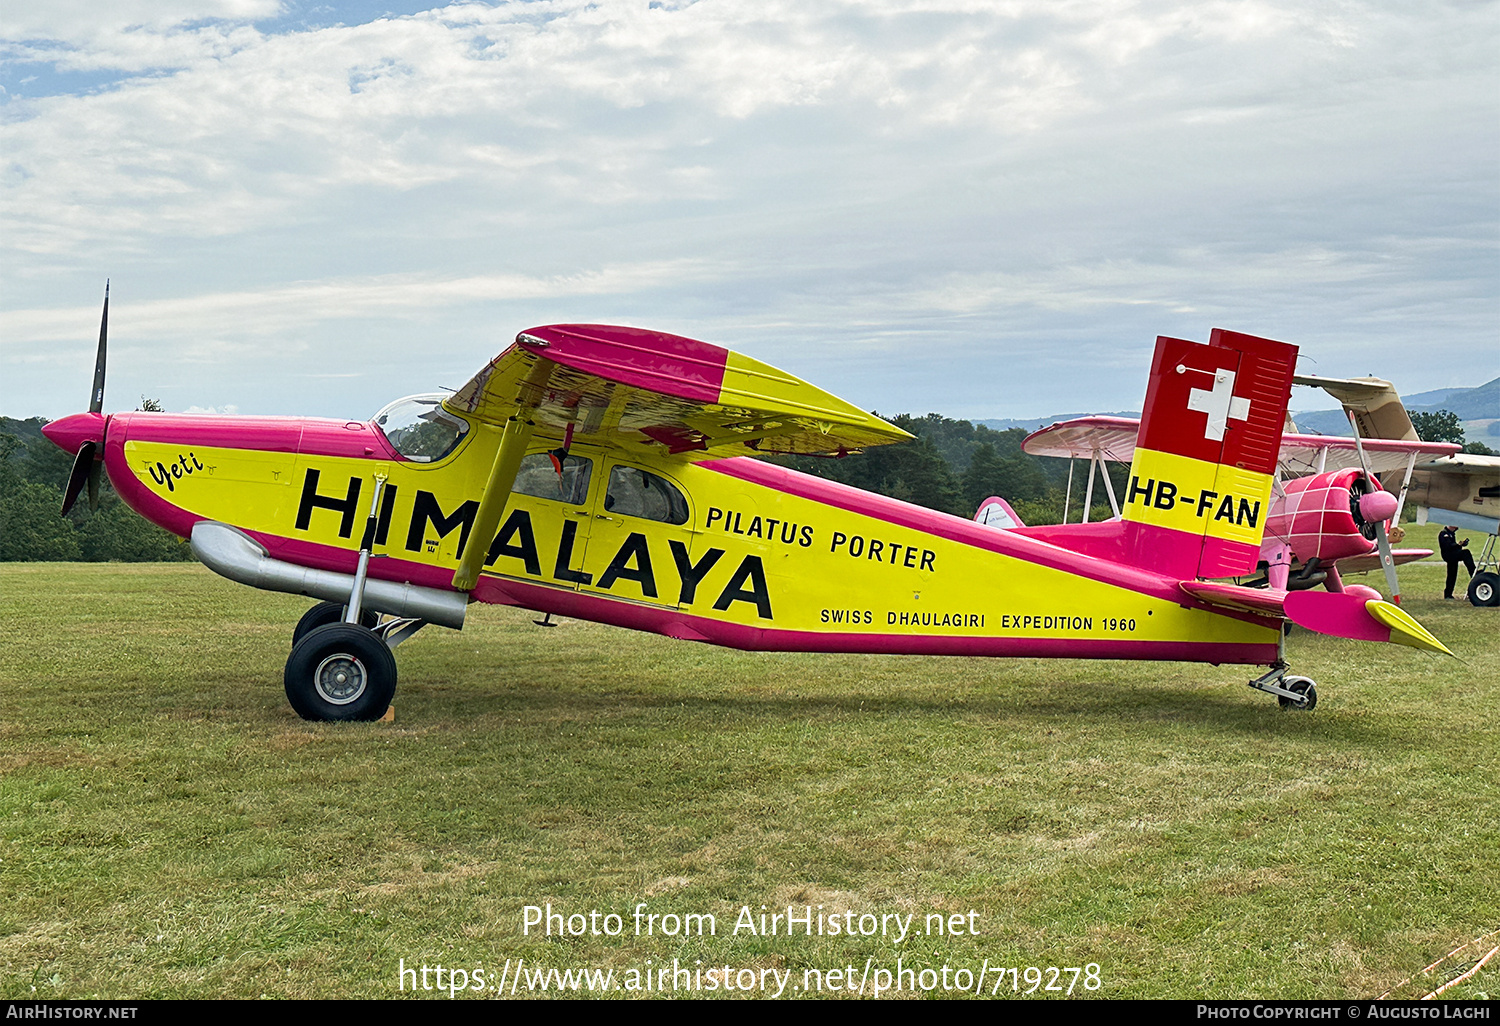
767	559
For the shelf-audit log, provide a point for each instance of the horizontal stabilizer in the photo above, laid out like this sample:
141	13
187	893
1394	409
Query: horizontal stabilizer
1354	616
1342	615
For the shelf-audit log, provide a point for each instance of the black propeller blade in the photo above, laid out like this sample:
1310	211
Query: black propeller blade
86	467
85	470
96	398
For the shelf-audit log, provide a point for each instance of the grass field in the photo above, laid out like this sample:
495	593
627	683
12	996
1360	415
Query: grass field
169	828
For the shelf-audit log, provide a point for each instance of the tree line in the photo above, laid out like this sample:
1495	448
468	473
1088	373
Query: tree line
951	465
33	476
954	465
1444	426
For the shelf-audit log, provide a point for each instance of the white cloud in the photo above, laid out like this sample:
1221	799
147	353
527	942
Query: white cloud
808	180
275	310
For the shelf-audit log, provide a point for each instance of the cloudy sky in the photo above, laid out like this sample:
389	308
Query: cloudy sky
984	208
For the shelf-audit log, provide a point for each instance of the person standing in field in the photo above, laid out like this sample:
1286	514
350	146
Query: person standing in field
1454	552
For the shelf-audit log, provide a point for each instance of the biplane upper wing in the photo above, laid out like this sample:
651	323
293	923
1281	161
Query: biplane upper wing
644	391
1114	439
1111	437
649	391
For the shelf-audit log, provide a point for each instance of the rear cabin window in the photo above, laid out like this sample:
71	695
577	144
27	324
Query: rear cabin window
635	493
538	477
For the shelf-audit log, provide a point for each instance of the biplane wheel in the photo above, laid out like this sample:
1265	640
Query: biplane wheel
329	612
340	672
1484	589
1302	686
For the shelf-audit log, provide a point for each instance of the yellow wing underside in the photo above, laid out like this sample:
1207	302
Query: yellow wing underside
757	409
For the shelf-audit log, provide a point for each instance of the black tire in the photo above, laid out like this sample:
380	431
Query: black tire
328	612
340	672
1302	686
1484	589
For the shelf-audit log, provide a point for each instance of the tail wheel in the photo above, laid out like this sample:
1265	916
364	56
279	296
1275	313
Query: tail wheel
325	613
340	671
1301	686
1484	589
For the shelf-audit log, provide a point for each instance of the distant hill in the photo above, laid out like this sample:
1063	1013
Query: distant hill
1041	422
28	431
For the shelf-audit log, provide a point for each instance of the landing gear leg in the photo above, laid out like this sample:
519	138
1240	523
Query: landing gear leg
1292	692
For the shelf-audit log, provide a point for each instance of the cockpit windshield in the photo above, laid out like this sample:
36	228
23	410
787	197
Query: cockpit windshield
420	429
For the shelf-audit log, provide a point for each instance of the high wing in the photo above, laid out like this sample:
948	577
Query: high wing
1113	438
1372	402
648	391
1464	463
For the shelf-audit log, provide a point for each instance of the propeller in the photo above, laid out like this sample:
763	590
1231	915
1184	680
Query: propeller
1373	507
86	466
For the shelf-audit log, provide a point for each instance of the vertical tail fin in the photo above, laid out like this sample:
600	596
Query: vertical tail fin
1205	458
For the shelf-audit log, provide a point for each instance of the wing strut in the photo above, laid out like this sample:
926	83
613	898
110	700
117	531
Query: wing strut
1088	494
1109	488
515	438
1411	464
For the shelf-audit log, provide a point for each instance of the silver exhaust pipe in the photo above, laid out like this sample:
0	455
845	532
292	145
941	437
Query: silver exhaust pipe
231	553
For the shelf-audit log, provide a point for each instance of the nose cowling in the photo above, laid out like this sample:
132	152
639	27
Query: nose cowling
71	432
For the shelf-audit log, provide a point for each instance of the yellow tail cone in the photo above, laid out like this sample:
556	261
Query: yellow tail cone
1404	629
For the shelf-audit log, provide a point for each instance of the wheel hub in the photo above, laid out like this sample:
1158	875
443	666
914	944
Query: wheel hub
340	679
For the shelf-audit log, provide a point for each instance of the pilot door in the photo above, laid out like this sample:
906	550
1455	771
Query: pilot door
546	525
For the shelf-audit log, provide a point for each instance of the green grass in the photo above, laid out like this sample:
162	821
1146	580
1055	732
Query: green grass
169	828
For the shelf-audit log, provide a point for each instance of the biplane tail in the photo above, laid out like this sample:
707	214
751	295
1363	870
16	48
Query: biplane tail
1205	458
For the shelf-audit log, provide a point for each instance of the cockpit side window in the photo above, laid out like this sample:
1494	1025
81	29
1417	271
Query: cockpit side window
538	477
420	429
635	493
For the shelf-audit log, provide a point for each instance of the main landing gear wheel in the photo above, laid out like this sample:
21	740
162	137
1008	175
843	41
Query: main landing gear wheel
340	671
1484	589
325	613
1302	686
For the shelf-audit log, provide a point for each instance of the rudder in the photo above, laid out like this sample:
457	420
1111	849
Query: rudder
1205	459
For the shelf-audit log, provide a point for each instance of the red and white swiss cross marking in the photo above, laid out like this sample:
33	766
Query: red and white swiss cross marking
1220	403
